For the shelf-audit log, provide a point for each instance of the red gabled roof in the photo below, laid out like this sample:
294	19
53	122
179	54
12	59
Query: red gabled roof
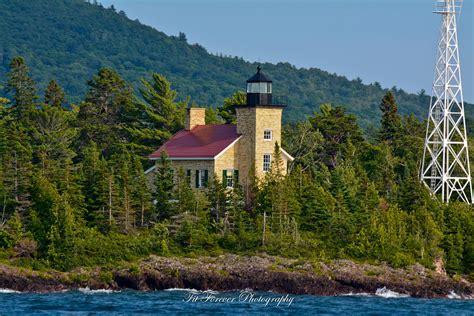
203	141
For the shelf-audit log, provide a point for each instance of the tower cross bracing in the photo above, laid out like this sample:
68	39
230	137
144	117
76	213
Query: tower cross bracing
445	166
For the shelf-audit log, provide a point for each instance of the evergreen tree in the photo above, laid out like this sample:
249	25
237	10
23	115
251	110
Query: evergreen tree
17	168
99	117
304	143
15	227
217	196
317	206
183	193
141	195
121	163
45	213
340	132
212	116
54	95
227	111
164	184
52	139
391	121
22	88
99	188
277	196
155	119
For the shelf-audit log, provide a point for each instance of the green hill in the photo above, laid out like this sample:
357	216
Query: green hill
69	40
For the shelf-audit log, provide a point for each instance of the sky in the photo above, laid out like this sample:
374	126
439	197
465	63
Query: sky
390	41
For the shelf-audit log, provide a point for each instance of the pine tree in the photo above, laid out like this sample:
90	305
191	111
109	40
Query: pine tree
44	214
52	221
277	197
183	193
100	116
52	138
15	227
217	196
54	95
227	111
141	195
148	124
17	168
163	188
391	121
340	132
304	143
317	207
22	88
212	116
99	188
123	165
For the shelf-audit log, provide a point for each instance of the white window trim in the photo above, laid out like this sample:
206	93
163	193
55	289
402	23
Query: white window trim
230	174
202	177
271	135
269	163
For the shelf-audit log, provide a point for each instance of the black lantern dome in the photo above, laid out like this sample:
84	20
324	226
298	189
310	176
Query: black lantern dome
259	89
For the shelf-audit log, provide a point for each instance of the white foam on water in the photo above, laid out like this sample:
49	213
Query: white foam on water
191	290
363	294
87	290
453	295
6	291
386	293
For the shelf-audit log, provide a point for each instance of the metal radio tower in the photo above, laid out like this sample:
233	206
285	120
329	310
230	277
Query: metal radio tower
445	166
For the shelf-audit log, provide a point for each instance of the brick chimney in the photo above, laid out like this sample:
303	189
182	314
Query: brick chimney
194	117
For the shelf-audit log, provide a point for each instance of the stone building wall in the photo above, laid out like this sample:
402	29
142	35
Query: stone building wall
193	165
228	160
267	118
251	123
246	117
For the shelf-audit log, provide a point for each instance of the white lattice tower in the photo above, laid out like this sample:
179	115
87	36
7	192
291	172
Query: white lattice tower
445	166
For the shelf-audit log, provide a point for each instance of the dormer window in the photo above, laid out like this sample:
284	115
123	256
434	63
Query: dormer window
267	134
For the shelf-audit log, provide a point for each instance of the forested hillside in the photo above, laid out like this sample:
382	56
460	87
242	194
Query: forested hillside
73	191
70	40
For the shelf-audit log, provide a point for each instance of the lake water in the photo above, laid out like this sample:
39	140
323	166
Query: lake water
180	302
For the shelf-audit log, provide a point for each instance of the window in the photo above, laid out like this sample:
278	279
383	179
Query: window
267	161
267	134
188	175
202	177
230	178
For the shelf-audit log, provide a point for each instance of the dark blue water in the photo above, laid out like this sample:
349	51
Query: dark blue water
181	302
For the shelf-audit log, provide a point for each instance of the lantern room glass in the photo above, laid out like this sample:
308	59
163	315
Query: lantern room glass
259	87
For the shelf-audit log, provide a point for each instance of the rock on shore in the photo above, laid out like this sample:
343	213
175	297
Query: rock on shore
233	272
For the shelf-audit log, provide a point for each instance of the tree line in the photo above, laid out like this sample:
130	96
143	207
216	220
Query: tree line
55	35
73	190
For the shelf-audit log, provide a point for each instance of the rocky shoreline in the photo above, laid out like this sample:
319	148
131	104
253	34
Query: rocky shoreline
233	272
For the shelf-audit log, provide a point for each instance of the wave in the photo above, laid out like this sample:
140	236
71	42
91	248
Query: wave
87	290
386	293
191	290
6	291
453	295
363	294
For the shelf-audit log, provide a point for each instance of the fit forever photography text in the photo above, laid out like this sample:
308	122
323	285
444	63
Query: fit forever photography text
244	296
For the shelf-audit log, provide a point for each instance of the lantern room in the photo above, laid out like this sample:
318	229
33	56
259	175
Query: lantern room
259	89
